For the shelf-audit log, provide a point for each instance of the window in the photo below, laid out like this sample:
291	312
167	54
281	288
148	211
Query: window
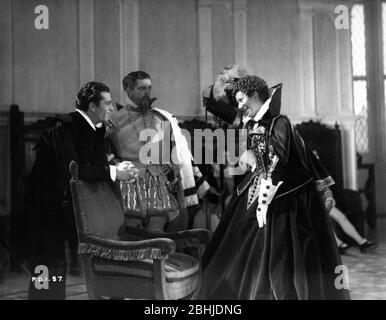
384	45
358	47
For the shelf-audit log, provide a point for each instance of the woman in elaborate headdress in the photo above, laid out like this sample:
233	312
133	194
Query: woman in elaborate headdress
217	97
275	240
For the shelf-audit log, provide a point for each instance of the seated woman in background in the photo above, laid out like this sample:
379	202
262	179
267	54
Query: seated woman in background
275	240
340	218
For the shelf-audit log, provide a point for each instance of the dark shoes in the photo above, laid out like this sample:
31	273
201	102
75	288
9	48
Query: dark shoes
343	247
367	245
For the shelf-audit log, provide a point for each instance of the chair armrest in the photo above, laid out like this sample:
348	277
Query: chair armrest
183	239
155	248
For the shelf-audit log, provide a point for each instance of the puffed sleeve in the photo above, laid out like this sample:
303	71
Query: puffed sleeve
279	144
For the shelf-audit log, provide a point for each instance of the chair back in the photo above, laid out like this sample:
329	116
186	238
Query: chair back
327	142
96	206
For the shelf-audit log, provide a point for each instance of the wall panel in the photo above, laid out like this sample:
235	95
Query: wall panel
326	79
106	45
222	35
169	52
45	61
274	48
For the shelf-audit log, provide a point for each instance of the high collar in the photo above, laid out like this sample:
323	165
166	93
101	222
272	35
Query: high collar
87	118
133	106
272	104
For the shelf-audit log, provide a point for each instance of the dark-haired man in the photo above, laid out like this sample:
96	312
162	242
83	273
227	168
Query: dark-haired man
77	136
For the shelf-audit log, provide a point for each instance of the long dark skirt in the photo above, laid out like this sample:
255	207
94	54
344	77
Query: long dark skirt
294	256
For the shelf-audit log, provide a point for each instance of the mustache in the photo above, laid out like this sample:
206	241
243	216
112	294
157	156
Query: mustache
149	100
146	103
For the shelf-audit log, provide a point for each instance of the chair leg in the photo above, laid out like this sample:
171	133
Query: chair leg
159	278
196	293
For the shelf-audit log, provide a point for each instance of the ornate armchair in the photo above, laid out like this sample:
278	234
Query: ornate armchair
134	264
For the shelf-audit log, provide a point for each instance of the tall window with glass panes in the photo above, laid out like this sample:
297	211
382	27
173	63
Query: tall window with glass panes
358	47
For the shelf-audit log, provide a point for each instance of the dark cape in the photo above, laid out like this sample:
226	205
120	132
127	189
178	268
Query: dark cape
294	256
48	201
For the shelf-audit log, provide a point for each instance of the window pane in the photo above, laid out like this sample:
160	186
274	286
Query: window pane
358	40
360	96
361	125
384	35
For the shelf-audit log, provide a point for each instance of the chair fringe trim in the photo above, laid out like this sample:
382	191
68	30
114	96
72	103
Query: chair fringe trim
180	243
119	255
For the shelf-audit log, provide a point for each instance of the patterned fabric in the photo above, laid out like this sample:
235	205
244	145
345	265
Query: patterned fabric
126	139
152	194
135	278
258	144
253	191
95	250
266	159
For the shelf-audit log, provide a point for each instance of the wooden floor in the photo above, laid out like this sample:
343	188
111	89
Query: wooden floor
367	275
367	272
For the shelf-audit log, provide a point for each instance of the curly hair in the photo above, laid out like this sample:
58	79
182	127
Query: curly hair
249	85
90	92
132	77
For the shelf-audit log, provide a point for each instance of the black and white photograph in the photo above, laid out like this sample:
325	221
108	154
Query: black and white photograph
216	151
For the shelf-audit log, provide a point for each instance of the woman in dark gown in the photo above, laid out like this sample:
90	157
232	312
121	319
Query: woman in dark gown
275	240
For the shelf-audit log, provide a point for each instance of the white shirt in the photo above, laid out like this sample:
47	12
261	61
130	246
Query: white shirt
113	169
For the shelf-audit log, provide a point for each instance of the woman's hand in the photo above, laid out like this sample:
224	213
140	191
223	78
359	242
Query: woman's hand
220	86
247	161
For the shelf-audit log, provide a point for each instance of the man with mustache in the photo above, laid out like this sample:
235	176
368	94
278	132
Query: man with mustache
164	187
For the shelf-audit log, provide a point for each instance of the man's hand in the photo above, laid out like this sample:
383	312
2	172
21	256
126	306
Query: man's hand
126	171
